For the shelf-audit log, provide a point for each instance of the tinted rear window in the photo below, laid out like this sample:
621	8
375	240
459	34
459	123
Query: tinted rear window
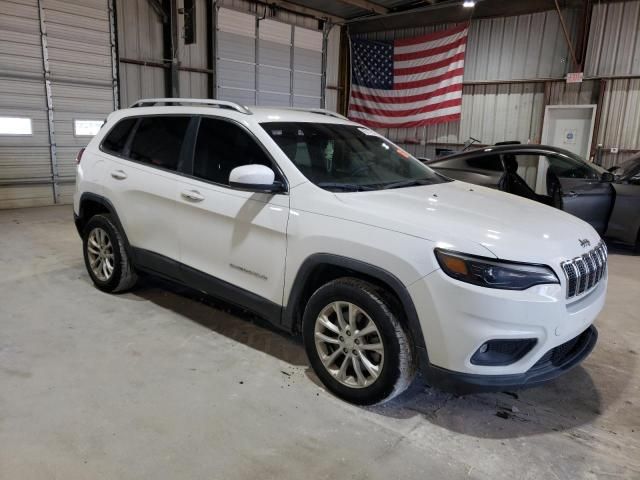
158	141
116	139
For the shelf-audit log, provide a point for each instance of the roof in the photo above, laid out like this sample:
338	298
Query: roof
516	148
230	110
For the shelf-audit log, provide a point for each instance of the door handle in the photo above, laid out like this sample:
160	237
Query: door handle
192	195
118	175
572	194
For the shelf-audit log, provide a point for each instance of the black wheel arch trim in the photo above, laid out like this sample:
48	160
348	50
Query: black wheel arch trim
292	313
80	219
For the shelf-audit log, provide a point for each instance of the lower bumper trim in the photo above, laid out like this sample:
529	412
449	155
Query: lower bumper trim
553	364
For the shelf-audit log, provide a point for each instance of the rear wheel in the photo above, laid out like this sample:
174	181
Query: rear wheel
355	343
105	255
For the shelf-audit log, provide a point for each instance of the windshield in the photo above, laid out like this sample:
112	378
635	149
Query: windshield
348	158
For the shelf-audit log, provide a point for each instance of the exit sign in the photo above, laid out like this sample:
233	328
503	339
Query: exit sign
575	77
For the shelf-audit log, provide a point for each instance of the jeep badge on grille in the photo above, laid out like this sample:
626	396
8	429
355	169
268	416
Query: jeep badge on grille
584	242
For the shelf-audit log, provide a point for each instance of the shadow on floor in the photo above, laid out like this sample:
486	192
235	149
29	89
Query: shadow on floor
563	404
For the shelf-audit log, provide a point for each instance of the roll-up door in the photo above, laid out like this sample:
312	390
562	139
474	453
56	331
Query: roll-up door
236	57
57	85
267	62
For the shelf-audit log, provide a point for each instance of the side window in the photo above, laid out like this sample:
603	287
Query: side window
222	146
486	162
116	139
564	167
158	141
525	165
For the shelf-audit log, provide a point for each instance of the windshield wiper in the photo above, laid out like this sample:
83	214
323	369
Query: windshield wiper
406	183
349	187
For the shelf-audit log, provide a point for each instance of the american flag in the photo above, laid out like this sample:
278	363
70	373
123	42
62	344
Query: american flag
410	82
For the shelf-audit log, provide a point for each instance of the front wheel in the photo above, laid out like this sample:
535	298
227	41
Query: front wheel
355	343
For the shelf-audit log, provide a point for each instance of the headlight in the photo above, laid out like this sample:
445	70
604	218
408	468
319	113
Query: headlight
493	273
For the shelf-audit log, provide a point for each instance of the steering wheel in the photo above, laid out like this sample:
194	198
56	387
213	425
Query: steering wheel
360	169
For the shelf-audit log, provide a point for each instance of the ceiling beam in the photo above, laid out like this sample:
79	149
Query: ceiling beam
302	10
367	5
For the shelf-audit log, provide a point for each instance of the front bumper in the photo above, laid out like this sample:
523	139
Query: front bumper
554	363
458	318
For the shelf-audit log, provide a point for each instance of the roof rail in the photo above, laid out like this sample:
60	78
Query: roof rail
319	111
148	102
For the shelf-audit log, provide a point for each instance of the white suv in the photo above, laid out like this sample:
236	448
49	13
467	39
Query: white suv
327	229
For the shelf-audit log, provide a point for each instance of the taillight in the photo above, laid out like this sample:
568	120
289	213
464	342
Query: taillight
79	156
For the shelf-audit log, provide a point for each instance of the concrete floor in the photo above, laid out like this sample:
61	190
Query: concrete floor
159	383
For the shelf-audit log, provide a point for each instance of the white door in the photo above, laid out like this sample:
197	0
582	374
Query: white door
231	235
569	127
141	183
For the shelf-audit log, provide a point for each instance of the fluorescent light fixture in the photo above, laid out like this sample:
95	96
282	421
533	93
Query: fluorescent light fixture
86	128
469	4
15	126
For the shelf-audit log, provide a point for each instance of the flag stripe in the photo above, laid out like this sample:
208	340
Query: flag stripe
420	123
406	96
427	67
456	102
429	81
402	57
359	97
401	80
408	82
395	122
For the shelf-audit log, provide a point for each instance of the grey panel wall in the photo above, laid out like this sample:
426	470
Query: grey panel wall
139	38
614	40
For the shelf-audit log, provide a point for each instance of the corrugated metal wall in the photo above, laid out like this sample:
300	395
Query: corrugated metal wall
140	39
614	40
55	68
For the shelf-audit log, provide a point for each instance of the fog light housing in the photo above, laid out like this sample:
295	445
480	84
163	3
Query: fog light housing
502	352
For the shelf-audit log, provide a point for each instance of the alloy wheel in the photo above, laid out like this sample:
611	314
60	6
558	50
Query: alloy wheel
349	344
100	253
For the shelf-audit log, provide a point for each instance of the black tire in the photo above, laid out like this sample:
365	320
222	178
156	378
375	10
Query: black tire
123	276
399	366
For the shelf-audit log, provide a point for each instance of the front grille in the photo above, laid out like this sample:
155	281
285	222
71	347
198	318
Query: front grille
584	272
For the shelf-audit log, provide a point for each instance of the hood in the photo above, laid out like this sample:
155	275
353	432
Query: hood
455	214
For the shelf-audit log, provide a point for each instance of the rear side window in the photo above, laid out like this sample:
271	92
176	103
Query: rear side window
158	141
116	139
486	162
223	146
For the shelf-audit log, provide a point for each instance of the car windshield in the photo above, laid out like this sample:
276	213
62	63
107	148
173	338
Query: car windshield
348	158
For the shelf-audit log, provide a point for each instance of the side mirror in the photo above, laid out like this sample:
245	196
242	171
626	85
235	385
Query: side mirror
255	178
607	177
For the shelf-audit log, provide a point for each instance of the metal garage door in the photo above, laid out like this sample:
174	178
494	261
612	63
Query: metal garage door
267	62
56	70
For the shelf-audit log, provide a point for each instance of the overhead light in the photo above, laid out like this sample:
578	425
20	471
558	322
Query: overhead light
469	4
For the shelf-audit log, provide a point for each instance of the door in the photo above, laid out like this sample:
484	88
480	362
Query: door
624	224
228	235
141	183
569	127
581	189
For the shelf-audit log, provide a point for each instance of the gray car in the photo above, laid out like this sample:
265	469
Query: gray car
609	201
